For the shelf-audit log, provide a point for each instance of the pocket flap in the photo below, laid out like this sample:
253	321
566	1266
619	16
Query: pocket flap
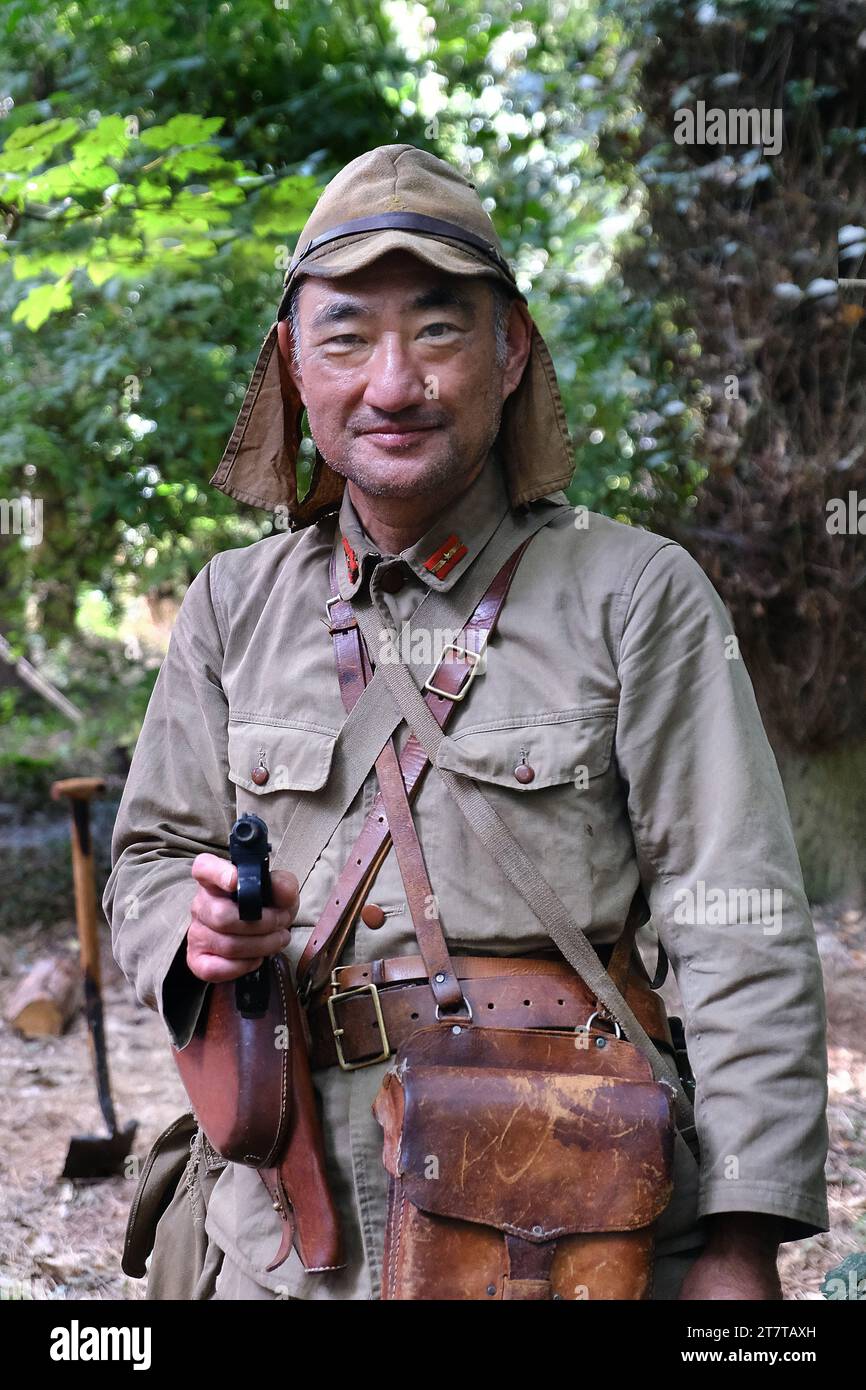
162	1171
297	757
536	1154
556	747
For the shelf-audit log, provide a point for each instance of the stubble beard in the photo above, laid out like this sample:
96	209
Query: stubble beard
395	476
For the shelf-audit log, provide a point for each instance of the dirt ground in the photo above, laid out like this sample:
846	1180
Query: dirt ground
62	1240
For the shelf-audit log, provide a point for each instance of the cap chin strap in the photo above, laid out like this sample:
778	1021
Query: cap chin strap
408	222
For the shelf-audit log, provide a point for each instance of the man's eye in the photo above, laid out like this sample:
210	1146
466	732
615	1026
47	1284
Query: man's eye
345	338
446	327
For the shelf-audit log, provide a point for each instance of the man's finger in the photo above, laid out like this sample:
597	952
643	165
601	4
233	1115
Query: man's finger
214	943
218	912
213	872
285	889
217	970
221	913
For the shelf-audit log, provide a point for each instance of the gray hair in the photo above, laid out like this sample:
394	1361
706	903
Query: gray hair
502	300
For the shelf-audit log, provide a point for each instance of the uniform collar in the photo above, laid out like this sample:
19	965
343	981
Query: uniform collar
444	552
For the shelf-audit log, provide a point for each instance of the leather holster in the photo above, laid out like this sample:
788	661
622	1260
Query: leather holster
250	1085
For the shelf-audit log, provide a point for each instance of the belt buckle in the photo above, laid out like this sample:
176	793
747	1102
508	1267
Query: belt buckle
334	999
473	667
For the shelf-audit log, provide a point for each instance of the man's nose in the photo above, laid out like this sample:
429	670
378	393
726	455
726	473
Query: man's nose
394	380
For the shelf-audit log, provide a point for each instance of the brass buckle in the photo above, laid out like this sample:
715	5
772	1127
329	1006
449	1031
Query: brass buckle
473	667
333	999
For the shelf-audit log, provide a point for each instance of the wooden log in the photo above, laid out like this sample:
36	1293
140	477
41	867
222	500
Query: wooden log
43	1002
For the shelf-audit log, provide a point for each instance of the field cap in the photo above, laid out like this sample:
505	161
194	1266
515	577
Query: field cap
394	197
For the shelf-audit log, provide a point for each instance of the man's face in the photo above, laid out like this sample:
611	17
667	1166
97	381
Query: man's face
399	376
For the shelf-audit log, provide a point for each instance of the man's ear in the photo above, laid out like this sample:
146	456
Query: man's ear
290	377
519	340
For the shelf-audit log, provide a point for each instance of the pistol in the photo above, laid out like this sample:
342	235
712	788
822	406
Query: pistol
249	850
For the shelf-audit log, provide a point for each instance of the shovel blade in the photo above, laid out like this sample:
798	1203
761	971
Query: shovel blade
99	1156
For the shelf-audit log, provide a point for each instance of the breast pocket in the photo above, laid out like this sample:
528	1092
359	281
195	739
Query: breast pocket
273	764
528	754
548	777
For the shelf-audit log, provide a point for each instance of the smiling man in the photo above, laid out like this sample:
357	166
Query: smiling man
404	379
611	733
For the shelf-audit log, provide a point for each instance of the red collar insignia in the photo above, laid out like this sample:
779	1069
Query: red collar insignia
351	561
443	560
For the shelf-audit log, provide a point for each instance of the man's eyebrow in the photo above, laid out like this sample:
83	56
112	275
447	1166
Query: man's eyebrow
339	310
442	297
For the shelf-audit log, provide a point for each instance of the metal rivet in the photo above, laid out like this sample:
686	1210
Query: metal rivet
601	1042
491	1289
456	1028
538	1230
439	978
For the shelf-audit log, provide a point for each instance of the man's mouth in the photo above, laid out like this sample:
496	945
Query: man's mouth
397	438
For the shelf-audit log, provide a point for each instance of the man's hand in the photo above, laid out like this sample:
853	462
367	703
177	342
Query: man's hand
219	946
739	1259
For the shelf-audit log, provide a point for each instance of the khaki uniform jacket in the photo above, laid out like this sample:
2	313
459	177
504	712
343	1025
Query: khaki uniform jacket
614	674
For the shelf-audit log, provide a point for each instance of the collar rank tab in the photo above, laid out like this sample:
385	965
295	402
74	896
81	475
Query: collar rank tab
351	561
443	560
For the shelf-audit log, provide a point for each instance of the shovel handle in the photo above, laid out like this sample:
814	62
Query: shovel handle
80	791
78	788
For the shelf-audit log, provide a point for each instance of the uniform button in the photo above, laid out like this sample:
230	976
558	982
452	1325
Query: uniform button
524	773
392	579
260	775
372	916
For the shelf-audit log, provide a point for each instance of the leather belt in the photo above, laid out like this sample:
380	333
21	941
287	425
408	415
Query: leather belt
370	1007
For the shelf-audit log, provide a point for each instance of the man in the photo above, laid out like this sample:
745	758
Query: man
612	727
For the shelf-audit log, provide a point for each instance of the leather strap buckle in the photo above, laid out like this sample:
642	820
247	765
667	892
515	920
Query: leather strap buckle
343	627
473	668
605	1018
335	999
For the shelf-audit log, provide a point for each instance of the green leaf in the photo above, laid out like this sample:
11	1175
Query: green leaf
101	271
44	137
108	139
181	130
227	193
203	159
41	303
56	264
151	192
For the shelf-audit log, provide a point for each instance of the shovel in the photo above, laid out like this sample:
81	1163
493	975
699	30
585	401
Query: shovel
91	1155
